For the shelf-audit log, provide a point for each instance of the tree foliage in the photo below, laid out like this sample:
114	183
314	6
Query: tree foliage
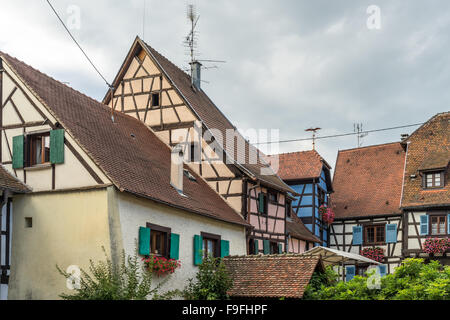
412	280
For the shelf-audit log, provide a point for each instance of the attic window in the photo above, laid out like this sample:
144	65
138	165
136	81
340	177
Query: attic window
433	179
155	99
189	175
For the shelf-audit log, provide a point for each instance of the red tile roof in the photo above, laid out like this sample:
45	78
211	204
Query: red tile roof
213	118
298	230
9	182
139	164
301	165
368	181
428	148
271	276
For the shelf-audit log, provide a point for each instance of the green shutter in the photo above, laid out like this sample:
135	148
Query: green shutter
256	247
57	146
266	246
174	246
261	202
280	248
224	248
198	256
144	241
18	148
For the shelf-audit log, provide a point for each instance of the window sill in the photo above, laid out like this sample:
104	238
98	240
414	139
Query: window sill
38	167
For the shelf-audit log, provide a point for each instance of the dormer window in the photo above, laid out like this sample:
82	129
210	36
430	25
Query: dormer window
433	179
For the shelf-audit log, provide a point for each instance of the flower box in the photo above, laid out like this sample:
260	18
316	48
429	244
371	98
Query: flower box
374	253
160	265
436	245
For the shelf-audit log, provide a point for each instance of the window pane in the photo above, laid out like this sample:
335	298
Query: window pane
47	148
429	180
437	179
442	226
434	226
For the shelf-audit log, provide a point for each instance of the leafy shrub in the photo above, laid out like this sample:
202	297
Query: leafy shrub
126	281
412	280
212	281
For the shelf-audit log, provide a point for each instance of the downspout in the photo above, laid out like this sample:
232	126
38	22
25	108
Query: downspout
404	214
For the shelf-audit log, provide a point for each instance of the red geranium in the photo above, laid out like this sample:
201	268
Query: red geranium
160	265
327	214
436	245
375	253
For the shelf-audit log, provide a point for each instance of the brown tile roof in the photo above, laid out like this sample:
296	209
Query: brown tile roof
298	230
9	182
301	165
271	276
368	181
213	118
139	164
428	148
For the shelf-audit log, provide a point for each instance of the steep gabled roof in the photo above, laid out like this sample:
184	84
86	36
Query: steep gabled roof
296	229
127	151
211	117
271	276
428	149
9	182
301	165
368	181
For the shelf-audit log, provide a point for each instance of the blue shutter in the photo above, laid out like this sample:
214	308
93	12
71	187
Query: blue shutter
382	269
448	223
266	246
357	235
174	246
198	247
144	241
391	233
349	272
424	225
224	248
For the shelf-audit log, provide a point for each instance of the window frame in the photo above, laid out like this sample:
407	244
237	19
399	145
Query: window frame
430	224
30	150
166	231
272	193
214	237
433	173
377	226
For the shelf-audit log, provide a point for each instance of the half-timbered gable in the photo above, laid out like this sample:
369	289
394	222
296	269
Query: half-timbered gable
309	175
300	238
137	191
152	89
426	190
366	200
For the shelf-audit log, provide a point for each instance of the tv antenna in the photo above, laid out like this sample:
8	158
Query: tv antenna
192	44
358	129
313	130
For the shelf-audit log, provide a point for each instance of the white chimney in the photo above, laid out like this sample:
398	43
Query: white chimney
196	74
176	168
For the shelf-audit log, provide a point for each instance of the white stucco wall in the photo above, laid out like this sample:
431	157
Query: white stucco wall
136	212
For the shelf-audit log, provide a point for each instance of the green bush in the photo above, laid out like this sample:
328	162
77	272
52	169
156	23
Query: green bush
412	280
128	280
212	281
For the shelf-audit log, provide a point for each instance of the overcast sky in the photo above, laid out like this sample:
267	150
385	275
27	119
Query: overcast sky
290	65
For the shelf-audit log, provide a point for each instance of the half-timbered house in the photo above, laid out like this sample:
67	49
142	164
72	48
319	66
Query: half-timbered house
308	174
172	103
366	200
426	187
96	179
300	239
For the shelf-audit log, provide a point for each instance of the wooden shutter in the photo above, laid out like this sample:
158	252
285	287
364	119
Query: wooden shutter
448	223
144	241
261	202
174	246
287	246
224	248
382	269
280	248
349	272
256	247
391	233
18	151
57	146
198	245
357	235
423	225
266	246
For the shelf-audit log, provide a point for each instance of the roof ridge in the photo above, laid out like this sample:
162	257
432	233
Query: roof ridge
371	146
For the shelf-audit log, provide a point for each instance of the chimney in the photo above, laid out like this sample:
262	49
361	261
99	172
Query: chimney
196	74
404	136
176	169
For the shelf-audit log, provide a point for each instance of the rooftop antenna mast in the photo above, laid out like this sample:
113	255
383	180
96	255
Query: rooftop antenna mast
313	130
191	38
358	129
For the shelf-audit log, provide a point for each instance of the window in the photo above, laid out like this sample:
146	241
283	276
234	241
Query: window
273	197
438	224
159	240
155	99
262	203
433	180
39	149
211	245
321	196
374	234
274	248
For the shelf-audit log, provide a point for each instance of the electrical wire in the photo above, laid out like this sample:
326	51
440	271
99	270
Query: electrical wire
339	135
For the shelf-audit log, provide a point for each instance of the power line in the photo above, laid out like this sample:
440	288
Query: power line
339	135
76	42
